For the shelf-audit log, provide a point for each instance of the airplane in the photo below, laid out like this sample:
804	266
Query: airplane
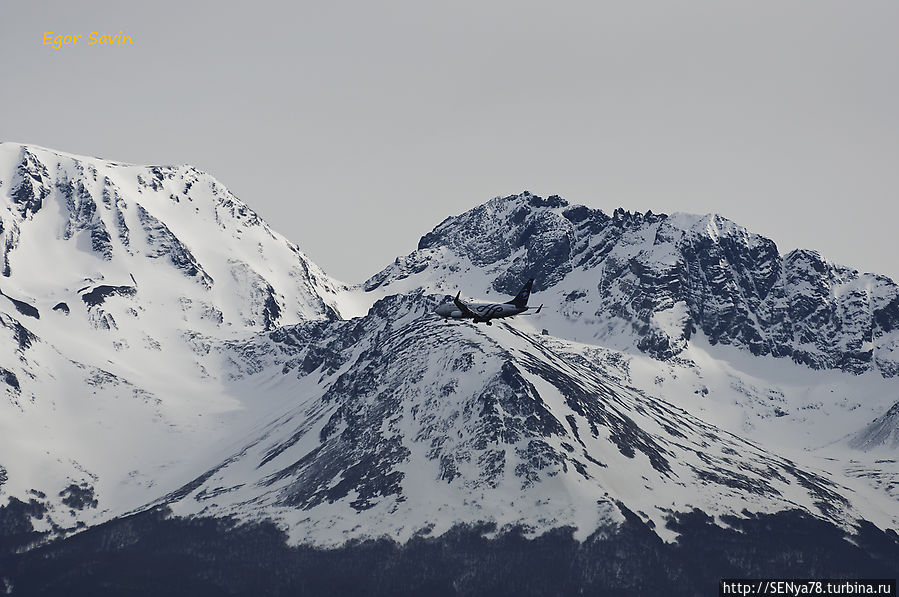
484	312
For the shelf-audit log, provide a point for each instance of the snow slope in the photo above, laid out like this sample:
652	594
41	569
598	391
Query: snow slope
409	425
110	275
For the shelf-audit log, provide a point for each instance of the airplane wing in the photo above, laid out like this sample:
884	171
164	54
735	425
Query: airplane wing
463	307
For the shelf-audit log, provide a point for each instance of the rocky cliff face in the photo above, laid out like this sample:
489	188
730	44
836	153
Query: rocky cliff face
102	221
660	279
409	425
109	273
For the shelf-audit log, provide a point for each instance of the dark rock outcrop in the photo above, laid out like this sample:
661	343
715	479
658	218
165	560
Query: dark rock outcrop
665	278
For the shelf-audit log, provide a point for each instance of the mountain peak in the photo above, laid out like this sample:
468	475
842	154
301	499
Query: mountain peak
652	281
193	246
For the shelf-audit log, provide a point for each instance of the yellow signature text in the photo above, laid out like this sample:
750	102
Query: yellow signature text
94	38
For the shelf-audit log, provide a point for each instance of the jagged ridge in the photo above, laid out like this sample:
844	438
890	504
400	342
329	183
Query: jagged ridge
659	279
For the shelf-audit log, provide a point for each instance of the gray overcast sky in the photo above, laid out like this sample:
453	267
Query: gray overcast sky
355	127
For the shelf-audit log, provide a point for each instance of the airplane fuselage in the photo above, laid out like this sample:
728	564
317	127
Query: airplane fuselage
480	311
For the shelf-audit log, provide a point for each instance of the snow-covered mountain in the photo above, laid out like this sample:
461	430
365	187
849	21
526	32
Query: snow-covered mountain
655	280
410	425
157	234
683	290
110	275
166	351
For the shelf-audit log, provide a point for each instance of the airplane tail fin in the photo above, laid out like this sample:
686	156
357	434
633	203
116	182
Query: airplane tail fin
521	299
